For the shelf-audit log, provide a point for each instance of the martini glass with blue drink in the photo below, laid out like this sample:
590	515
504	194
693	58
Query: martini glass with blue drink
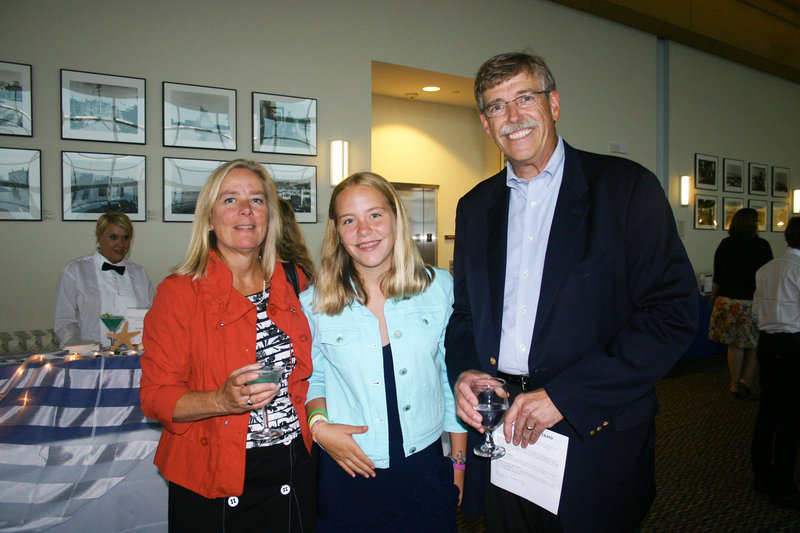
268	373
492	405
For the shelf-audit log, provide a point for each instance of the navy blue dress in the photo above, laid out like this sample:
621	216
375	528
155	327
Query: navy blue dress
415	494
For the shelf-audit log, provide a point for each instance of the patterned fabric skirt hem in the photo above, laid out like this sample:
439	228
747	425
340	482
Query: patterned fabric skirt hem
732	322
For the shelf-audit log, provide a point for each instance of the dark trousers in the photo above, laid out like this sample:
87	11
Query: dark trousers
777	431
279	496
609	485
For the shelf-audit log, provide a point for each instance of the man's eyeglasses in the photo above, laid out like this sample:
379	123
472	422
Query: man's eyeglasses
523	101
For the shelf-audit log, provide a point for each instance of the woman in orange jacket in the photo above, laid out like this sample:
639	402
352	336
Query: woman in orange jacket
227	309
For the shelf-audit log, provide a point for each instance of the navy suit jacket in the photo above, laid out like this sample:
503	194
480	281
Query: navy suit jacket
617	309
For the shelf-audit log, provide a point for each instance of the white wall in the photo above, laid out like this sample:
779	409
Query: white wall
722	109
605	73
419	142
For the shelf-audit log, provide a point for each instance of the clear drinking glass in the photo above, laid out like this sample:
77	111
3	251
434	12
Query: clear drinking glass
268	373
492	405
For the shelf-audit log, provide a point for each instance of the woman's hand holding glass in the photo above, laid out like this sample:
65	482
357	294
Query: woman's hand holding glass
235	396
337	440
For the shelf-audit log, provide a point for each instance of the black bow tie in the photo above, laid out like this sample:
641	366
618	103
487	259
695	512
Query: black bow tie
119	269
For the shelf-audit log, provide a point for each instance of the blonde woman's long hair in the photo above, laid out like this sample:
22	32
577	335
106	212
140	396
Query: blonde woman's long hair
338	282
203	239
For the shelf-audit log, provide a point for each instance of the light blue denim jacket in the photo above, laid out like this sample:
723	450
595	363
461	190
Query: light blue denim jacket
346	351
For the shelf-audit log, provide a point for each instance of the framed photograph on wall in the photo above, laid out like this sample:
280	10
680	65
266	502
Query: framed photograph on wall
93	183
733	175
761	208
780	182
705	212
199	117
20	184
16	112
284	124
730	206
705	172
298	185
758	179
780	215
183	179
101	107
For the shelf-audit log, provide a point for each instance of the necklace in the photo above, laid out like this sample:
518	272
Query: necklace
259	299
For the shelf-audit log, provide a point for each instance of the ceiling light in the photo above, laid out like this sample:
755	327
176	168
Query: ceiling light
431	89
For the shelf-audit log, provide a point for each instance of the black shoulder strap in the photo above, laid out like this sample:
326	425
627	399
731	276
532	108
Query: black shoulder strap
291	276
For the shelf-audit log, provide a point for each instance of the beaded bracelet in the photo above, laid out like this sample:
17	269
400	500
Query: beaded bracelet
459	463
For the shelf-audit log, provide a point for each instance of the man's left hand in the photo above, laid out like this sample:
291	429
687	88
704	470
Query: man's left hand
529	415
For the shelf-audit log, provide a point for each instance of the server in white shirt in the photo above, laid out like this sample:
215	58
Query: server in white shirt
776	304
103	282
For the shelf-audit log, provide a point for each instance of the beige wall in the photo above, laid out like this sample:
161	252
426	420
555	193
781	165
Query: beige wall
606	75
419	142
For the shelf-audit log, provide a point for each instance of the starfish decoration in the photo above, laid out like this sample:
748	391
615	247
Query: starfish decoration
123	338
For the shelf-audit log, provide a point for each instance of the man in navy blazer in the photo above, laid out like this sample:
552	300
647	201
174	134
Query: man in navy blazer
572	284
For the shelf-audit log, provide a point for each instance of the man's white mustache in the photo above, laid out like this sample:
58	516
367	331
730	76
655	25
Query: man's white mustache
511	128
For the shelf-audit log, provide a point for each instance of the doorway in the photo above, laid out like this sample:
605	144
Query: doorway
420	204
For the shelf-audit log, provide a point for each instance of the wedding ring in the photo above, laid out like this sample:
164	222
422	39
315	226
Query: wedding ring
249	401
528	428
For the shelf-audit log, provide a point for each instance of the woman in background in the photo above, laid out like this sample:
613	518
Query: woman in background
379	399
99	283
291	245
227	309
736	260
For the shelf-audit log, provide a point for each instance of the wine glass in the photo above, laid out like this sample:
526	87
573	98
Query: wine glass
268	373
492	405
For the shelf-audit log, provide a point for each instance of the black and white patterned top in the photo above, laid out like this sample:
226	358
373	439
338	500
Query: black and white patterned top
273	346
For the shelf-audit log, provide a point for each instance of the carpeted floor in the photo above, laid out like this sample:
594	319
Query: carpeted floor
703	473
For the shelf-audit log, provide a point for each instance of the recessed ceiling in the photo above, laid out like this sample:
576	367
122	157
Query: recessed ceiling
407	82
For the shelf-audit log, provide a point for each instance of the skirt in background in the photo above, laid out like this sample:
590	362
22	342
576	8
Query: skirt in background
732	322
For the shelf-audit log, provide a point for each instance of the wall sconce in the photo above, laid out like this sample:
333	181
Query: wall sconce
796	201
686	183
340	165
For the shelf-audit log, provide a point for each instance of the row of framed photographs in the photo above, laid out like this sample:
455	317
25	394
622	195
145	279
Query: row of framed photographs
706	212
707	172
108	108
93	183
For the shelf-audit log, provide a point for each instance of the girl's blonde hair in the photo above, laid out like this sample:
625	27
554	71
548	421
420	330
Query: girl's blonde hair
338	282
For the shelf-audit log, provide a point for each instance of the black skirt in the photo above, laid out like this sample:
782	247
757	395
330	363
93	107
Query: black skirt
279	496
415	494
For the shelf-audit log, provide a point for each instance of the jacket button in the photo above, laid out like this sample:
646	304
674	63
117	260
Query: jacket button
204	441
339	338
303	338
233	501
493	361
592	432
425	321
403	371
285	489
412	449
398	333
406	407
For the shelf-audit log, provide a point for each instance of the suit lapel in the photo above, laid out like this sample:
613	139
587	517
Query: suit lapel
497	240
572	208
